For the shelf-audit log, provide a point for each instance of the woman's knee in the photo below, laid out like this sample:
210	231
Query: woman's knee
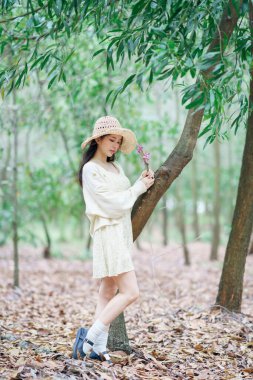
132	295
128	286
107	290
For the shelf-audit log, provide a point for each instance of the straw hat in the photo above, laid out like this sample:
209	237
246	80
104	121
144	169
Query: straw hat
110	125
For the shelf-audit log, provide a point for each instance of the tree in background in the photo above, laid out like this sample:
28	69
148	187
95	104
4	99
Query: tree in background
231	282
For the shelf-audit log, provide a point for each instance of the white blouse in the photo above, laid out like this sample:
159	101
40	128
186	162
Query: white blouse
107	195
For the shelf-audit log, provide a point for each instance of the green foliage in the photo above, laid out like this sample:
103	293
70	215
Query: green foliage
72	80
167	40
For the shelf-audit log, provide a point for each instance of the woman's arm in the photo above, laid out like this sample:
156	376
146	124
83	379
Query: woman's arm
112	203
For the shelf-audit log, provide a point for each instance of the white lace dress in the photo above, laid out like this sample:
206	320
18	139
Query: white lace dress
112	249
109	199
113	244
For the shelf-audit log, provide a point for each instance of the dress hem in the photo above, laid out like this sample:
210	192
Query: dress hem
113	275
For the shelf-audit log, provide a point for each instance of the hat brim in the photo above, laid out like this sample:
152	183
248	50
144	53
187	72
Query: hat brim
129	139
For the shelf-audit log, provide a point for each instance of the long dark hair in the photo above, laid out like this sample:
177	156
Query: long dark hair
87	156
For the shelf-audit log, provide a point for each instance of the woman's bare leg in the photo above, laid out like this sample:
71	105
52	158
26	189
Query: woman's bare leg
127	285
107	291
128	293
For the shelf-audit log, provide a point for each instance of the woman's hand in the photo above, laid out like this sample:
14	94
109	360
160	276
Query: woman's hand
148	178
146	173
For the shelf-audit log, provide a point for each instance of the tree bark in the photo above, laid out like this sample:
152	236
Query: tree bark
118	339
231	282
194	185
216	209
47	254
183	151
165	215
66	146
230	183
181	225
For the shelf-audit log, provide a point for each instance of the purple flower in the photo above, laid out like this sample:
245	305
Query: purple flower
139	148
144	155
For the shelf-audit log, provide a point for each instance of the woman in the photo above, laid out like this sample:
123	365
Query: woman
109	198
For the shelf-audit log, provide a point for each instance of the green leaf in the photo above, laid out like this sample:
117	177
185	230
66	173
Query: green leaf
52	81
135	10
205	130
120	50
189	92
209	140
151	75
128	81
37	61
116	95
109	60
196	102
64	77
167	73
69	56
97	52
44	62
108	96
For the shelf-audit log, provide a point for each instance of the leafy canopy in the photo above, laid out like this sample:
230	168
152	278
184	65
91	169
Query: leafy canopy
168	41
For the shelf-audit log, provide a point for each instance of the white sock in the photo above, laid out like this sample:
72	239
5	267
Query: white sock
101	342
94	332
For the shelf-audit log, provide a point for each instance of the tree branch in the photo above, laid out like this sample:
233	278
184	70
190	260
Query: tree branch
23	15
182	153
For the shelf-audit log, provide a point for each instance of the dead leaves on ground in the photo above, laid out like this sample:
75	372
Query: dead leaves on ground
173	330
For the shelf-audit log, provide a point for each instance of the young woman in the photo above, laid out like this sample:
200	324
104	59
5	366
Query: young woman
109	198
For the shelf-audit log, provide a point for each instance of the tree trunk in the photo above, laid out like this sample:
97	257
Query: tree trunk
231	282
230	183
118	339
47	249
66	146
194	185
181	225
183	151
165	221
216	209
15	193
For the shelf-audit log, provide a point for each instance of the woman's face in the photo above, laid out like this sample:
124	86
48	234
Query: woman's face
109	144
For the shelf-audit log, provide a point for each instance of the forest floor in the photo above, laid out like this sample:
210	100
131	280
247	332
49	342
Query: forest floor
173	329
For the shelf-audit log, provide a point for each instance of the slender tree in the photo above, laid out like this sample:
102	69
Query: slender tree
165	216
231	282
194	187
15	191
216	202
180	218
